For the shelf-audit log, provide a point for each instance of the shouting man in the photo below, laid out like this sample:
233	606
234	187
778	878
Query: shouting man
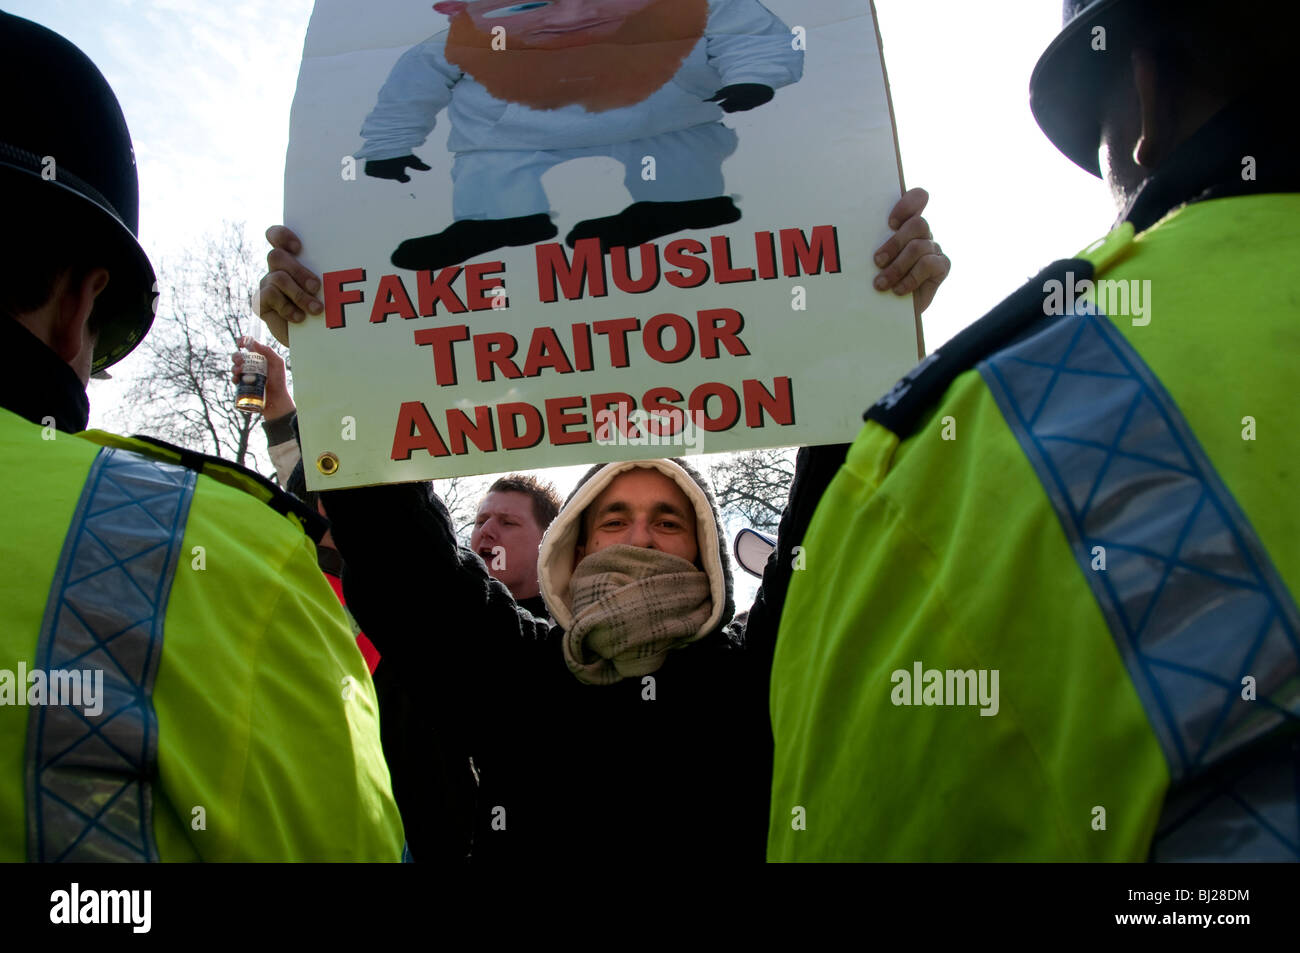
508	531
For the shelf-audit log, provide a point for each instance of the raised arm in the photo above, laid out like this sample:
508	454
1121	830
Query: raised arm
424	600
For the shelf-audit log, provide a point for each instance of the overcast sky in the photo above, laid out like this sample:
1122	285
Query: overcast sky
206	87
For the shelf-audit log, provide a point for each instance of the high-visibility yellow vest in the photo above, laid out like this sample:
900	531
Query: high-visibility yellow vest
236	718
1102	515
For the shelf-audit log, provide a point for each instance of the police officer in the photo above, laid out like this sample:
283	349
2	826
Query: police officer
1048	610
177	680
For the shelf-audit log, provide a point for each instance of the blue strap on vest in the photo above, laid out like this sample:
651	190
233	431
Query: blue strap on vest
90	777
1192	599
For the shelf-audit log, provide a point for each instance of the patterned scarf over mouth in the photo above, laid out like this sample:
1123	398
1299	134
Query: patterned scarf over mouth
630	606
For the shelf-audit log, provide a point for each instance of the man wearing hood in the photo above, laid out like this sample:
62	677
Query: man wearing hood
637	722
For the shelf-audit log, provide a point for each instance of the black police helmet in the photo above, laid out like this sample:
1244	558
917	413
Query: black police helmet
1068	86
65	150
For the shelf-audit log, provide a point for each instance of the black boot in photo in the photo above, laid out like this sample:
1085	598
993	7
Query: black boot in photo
469	237
643	222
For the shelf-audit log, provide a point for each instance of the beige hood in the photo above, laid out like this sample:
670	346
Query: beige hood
555	561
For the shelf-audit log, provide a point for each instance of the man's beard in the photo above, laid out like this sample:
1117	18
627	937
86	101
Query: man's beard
623	69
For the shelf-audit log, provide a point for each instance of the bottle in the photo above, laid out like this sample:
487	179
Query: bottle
250	392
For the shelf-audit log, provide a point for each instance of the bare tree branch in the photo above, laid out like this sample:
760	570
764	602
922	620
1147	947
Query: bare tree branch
462	496
753	486
186	395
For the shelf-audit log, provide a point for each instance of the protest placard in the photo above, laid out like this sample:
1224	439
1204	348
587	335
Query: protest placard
576	231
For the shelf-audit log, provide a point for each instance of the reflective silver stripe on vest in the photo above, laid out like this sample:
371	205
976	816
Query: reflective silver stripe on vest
1191	597
89	778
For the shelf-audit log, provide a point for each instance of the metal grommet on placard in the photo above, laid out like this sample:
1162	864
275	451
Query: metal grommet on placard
327	463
